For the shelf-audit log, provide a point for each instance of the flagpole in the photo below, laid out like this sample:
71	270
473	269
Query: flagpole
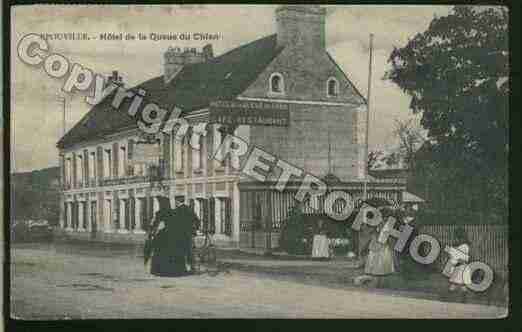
62	100
365	187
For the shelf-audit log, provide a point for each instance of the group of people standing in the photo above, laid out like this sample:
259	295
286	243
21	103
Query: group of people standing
169	243
381	259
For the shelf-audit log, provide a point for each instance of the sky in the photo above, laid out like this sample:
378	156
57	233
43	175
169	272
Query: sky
36	113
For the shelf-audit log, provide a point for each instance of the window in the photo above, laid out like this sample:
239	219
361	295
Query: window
277	84
92	220
108	214
79	169
179	155
197	156
332	87
122	161
140	169
92	165
107	163
222	214
219	136
68	172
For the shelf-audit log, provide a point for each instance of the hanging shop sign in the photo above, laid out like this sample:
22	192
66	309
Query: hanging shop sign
254	113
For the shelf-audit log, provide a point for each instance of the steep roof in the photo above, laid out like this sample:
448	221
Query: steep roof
391	173
194	87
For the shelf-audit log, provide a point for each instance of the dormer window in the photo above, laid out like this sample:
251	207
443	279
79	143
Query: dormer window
277	84
332	87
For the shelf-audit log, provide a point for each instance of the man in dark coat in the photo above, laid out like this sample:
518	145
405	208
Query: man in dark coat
171	246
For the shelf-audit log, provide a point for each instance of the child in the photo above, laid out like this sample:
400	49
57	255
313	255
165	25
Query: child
459	263
320	248
380	257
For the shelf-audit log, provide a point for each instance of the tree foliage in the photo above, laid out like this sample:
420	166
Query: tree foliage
374	158
410	140
456	73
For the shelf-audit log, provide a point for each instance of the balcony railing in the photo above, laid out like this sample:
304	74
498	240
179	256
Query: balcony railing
154	173
125	180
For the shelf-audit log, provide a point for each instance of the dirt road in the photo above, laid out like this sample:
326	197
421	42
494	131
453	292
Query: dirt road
47	283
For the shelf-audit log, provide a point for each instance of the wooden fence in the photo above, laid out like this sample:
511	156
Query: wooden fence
263	206
488	243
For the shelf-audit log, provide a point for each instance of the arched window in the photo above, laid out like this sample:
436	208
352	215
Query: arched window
332	87
277	84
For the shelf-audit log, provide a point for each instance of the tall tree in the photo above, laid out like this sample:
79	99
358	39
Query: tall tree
410	140
456	73
374	158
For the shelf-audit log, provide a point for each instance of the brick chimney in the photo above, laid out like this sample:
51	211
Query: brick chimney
173	62
115	78
208	52
301	26
175	59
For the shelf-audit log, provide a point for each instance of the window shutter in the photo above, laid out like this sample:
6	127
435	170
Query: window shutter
178	158
166	155
145	221
62	173
86	167
191	206
257	207
74	169
212	215
101	208
187	152
130	153
132	213
127	207
99	160
150	207
205	215
115	222
228	216
115	158
85	215
210	151
65	215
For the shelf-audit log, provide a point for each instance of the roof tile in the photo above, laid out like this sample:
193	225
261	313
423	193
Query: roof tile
194	87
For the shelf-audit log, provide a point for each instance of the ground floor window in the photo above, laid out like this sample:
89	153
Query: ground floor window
214	214
65	214
225	216
108	214
93	217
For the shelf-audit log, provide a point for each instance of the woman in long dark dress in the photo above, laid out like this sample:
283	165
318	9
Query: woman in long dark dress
171	246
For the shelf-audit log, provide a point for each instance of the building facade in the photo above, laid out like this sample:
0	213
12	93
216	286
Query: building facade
108	196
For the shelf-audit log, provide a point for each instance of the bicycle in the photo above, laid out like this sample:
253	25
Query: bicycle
203	254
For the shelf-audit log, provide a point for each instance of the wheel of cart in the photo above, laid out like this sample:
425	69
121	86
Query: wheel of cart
204	252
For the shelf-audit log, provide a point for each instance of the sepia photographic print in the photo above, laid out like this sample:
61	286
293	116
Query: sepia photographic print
258	161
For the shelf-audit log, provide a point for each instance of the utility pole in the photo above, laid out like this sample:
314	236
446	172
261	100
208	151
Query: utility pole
330	171
365	187
62	100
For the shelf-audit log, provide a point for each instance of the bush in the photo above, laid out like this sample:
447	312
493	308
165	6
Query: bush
296	234
298	230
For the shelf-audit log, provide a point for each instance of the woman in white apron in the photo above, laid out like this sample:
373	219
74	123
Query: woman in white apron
458	261
320	247
380	257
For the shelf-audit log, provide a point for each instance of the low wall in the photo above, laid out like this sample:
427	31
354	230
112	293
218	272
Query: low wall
488	243
259	239
131	238
128	238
